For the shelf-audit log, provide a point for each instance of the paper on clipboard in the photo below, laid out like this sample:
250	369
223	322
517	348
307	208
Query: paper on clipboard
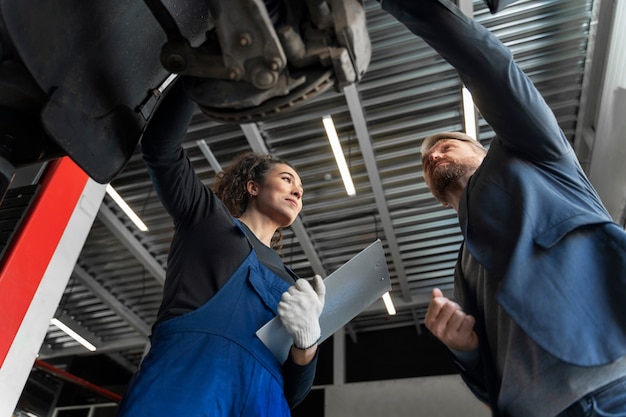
349	290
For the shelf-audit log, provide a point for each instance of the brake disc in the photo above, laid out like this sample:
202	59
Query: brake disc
315	84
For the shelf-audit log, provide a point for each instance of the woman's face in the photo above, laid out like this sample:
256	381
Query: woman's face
279	196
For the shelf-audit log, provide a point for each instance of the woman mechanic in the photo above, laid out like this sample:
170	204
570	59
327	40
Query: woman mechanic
223	283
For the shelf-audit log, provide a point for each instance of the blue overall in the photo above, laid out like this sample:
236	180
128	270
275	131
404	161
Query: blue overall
209	362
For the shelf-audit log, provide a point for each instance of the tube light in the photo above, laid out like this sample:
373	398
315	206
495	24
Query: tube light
469	113
71	333
391	310
126	209
338	152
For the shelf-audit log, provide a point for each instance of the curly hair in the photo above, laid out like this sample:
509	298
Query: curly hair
230	184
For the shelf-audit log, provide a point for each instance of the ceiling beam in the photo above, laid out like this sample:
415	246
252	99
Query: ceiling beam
112	302
416	320
122	361
365	143
351	332
208	154
101	347
467	7
596	60
113	223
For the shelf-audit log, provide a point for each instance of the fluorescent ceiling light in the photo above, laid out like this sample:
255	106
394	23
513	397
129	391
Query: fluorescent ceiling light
391	310
126	209
338	152
469	113
73	334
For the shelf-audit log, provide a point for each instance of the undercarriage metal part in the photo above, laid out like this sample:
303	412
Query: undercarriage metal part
82	80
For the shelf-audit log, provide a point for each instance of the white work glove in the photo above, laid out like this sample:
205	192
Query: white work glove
299	310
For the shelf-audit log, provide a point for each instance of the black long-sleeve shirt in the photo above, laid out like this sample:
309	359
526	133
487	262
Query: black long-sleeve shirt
206	248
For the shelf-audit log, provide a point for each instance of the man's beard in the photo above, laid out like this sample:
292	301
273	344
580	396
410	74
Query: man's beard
441	177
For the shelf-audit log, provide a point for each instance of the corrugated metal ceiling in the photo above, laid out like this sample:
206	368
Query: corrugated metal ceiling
408	93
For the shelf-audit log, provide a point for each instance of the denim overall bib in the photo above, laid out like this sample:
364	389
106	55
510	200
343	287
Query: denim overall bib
209	362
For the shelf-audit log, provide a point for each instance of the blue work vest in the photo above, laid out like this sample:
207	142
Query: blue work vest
209	362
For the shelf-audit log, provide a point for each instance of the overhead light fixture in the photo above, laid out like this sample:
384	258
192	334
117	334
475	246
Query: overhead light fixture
391	309
331	132
469	113
125	208
71	333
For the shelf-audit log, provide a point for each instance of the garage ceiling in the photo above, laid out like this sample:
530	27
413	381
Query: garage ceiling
407	93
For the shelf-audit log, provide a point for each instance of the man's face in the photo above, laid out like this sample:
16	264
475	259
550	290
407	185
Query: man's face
448	161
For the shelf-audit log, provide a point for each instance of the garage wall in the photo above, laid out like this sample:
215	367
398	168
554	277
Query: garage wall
436	396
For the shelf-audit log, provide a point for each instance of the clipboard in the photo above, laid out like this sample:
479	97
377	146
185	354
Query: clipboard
349	290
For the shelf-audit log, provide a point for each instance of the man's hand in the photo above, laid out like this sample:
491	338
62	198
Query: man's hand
450	324
299	310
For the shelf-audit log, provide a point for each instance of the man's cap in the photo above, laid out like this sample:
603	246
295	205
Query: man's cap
429	141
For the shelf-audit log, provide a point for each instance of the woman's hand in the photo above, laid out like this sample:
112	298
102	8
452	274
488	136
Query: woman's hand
299	310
